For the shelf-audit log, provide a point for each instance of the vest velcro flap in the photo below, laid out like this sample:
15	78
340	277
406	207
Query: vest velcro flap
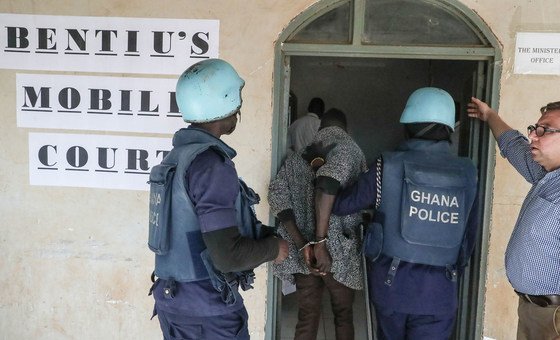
161	177
252	227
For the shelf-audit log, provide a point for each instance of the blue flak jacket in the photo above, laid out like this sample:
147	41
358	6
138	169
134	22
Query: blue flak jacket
427	196
427	218
185	258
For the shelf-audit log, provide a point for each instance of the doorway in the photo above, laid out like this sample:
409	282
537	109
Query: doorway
351	54
373	92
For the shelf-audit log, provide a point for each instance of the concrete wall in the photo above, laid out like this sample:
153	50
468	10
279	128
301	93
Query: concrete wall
75	264
521	96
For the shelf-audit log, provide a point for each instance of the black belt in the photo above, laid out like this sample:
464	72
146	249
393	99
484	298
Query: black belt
541	300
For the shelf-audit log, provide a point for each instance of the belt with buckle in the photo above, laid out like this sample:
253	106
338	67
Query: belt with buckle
541	300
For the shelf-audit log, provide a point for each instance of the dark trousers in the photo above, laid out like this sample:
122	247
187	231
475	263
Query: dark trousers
220	327
309	292
399	326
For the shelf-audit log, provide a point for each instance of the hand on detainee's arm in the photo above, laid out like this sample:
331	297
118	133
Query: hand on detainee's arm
282	251
283	248
480	110
288	219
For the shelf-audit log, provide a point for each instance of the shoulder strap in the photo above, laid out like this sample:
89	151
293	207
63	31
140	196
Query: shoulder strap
178	152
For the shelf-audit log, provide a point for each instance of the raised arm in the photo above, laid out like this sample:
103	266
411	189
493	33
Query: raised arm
480	110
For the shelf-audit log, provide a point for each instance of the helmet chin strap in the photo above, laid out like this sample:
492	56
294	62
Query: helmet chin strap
424	130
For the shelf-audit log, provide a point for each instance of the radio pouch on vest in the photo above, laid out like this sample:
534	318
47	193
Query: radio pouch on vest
161	178
227	283
219	280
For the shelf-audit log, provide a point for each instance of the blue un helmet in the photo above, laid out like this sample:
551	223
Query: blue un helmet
430	105
208	91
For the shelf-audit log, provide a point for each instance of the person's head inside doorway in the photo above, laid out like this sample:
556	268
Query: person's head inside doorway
316	106
302	131
333	117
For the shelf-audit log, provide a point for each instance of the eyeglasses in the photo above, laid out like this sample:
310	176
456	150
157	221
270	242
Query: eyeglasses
540	130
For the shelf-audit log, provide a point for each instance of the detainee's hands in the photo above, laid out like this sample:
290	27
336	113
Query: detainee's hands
282	251
479	109
310	260
324	260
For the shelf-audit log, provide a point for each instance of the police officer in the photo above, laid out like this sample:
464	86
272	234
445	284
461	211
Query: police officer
212	239
424	228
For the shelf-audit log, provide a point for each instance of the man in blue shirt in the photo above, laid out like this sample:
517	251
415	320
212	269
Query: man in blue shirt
533	251
212	249
424	227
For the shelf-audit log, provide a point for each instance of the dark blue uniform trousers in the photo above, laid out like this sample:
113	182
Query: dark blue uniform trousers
399	326
221	327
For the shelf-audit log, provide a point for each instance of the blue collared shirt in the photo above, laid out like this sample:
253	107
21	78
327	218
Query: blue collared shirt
533	251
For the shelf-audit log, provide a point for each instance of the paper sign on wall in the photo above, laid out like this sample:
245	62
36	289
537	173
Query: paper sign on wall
105	44
94	161
537	53
97	103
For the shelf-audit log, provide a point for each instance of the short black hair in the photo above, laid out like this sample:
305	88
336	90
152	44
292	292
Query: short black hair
550	107
317	106
333	117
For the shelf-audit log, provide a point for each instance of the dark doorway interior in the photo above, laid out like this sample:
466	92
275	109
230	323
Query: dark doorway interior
373	92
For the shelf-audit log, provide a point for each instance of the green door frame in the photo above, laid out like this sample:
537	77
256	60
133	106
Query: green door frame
487	87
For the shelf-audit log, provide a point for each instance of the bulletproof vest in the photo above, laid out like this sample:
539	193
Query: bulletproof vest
181	254
427	196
